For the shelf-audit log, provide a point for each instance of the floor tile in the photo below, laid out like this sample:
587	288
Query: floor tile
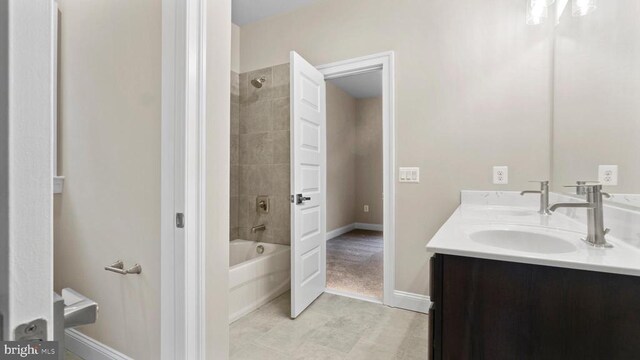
332	327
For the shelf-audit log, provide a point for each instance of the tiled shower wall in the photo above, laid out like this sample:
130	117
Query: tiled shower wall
261	167
235	157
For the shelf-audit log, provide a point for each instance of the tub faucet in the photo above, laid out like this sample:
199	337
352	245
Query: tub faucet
595	218
260	227
544	196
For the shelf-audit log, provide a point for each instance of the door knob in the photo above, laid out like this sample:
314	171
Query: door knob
301	199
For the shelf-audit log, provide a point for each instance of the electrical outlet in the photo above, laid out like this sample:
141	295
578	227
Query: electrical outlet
608	175
366	208
500	175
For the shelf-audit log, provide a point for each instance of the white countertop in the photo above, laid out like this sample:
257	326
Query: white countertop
453	238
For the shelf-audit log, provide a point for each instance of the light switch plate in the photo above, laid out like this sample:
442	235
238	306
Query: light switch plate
500	175
608	175
409	175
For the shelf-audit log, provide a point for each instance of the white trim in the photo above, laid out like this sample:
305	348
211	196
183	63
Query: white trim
385	62
340	231
27	105
372	227
182	185
411	301
353	296
89	348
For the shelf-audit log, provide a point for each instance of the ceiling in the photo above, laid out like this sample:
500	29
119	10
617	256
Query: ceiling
248	11
361	86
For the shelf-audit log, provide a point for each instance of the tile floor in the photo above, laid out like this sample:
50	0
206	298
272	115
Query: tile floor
333	327
355	263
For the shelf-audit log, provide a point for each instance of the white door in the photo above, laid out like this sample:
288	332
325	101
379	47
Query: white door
308	166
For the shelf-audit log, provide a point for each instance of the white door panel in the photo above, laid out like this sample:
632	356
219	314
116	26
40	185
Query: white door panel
308	166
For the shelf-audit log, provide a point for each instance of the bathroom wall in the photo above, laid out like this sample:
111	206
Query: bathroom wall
263	154
109	152
369	165
218	107
466	100
597	92
341	158
235	48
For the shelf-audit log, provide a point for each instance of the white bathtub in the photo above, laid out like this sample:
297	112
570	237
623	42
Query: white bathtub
255	279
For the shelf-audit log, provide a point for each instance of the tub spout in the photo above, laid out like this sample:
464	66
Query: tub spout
258	228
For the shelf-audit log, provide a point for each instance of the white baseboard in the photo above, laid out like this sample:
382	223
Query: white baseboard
339	231
345	229
353	295
411	301
372	227
89	348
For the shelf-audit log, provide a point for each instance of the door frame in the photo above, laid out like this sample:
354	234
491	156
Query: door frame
385	62
27	113
183	174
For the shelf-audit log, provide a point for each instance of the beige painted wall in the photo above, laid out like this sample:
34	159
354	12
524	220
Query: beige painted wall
341	158
369	165
235	48
465	99
109	118
217	182
597	95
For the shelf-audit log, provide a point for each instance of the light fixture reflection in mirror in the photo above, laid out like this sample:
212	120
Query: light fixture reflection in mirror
582	7
537	11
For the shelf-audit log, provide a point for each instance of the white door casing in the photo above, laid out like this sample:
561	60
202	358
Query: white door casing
308	179
27	105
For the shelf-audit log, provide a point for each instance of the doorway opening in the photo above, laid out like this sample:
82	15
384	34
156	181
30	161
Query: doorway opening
327	253
354	209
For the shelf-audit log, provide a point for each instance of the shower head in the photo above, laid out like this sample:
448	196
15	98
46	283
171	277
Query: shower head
257	82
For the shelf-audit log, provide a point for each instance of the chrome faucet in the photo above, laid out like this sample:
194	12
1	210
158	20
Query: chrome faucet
260	227
596	231
544	196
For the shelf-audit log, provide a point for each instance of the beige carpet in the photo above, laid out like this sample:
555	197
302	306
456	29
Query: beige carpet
355	263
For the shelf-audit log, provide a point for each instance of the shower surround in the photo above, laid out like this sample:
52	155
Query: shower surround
260	161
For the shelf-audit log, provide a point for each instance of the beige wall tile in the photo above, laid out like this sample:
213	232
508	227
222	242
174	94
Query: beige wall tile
255	117
280	81
281	147
281	114
264	154
256	149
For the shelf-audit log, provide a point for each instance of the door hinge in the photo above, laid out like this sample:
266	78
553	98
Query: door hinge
180	220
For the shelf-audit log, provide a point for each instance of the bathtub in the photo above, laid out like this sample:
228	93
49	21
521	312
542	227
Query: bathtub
255	279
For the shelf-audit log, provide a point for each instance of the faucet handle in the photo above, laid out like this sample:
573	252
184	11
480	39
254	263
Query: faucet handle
583	185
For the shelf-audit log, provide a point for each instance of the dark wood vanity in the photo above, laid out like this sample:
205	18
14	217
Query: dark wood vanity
487	309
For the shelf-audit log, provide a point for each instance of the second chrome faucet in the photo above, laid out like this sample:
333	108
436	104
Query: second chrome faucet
544	196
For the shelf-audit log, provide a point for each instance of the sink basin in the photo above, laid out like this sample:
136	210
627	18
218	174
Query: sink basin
522	240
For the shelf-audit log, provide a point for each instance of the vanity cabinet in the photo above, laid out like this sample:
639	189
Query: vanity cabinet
487	309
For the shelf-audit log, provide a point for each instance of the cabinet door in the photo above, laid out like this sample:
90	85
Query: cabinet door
435	312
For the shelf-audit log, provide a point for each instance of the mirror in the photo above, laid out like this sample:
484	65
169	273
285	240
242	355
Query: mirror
597	101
